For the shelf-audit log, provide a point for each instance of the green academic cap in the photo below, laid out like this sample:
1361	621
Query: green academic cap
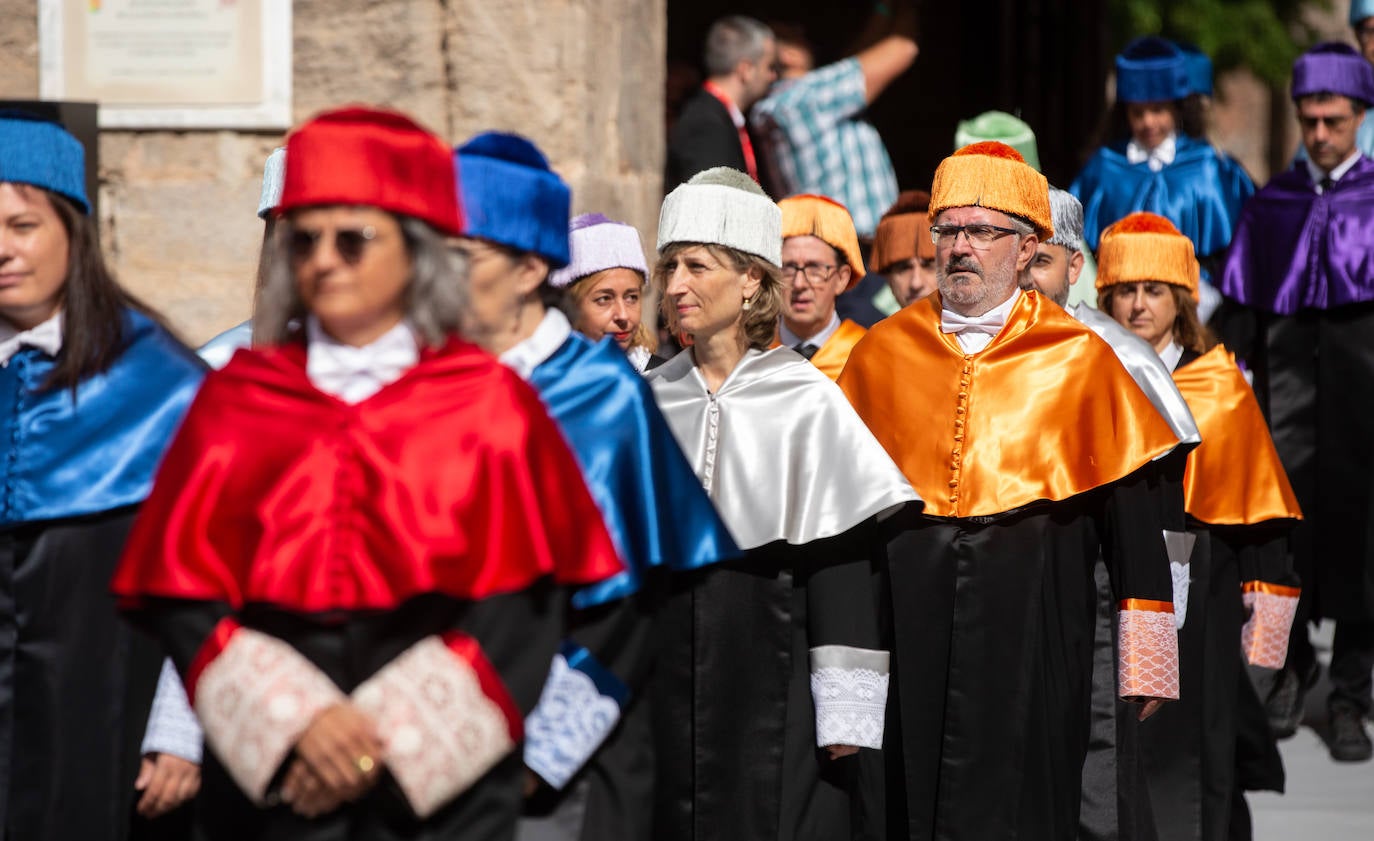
1002	127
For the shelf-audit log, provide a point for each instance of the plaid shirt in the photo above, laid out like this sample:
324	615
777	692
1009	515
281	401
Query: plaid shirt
819	142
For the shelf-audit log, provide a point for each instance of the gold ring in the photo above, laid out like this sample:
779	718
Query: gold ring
365	763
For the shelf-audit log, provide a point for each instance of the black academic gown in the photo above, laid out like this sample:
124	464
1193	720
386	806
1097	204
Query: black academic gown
1182	774
732	693
74	723
1006	601
1201	753
1115	802
76	682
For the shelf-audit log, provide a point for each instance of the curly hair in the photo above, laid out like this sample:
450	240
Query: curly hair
760	321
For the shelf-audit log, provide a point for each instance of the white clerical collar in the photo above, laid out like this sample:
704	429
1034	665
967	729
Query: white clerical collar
547	338
639	357
977	332
791	339
45	336
1158	157
1318	175
354	374
1171	355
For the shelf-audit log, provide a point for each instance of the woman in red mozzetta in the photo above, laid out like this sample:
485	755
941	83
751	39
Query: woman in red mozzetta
350	547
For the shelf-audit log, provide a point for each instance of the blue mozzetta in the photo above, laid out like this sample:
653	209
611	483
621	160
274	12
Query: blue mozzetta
653	504
94	450
37	152
512	197
1151	69
1201	192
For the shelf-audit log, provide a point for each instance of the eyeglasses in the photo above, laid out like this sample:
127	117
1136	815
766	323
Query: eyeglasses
1365	33
980	237
810	272
348	242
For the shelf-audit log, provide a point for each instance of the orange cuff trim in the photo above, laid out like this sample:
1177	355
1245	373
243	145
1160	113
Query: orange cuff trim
1145	604
212	648
1271	589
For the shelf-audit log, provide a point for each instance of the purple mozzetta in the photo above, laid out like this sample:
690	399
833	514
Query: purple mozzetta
1295	250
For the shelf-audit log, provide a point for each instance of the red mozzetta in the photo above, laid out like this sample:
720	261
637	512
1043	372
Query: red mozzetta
452	480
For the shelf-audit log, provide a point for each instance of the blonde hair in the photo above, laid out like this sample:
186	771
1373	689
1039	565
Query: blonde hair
578	291
760	321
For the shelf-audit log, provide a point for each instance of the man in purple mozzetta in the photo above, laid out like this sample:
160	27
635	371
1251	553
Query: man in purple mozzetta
1302	261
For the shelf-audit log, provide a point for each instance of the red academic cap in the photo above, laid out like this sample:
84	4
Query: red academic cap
374	157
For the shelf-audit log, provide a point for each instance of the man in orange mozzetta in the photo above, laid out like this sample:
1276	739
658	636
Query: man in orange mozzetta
1029	469
820	260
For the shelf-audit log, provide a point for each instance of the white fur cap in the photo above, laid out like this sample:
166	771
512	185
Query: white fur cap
723	206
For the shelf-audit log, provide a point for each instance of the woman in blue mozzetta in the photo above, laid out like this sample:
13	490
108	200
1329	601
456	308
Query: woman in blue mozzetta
588	742
92	388
1157	158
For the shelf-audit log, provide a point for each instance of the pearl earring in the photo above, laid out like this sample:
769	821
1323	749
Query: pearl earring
746	304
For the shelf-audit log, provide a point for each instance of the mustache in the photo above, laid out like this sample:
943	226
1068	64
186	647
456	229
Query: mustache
962	264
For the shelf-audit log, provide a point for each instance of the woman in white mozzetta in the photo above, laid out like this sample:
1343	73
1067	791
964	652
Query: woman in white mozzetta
604	287
770	677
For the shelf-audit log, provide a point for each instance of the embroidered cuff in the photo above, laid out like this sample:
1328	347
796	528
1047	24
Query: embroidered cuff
849	688
578	708
1148	664
1179	546
1181	574
255	700
172	724
444	716
1264	637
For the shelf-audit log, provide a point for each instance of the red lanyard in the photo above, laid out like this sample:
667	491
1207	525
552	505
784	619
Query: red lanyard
750	163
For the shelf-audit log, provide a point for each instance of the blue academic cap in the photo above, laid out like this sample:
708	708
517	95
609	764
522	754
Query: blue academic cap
42	153
512	197
1151	69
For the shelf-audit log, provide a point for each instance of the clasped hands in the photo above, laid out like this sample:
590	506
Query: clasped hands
337	759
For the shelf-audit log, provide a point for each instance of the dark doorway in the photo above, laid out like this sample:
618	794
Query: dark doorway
1044	60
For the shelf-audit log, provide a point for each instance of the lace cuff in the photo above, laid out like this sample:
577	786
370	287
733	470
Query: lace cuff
1148	664
444	717
1264	637
1179	546
254	700
172	724
578	708
849	688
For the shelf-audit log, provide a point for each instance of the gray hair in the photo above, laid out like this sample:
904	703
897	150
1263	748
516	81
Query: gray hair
731	40
436	298
1067	213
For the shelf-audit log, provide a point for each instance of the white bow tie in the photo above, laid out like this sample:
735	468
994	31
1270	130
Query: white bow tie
46	337
1157	158
952	322
354	374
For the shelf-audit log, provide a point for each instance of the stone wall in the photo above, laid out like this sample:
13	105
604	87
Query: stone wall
582	78
1245	110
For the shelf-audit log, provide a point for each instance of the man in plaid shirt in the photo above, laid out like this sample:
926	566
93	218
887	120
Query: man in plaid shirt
813	127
